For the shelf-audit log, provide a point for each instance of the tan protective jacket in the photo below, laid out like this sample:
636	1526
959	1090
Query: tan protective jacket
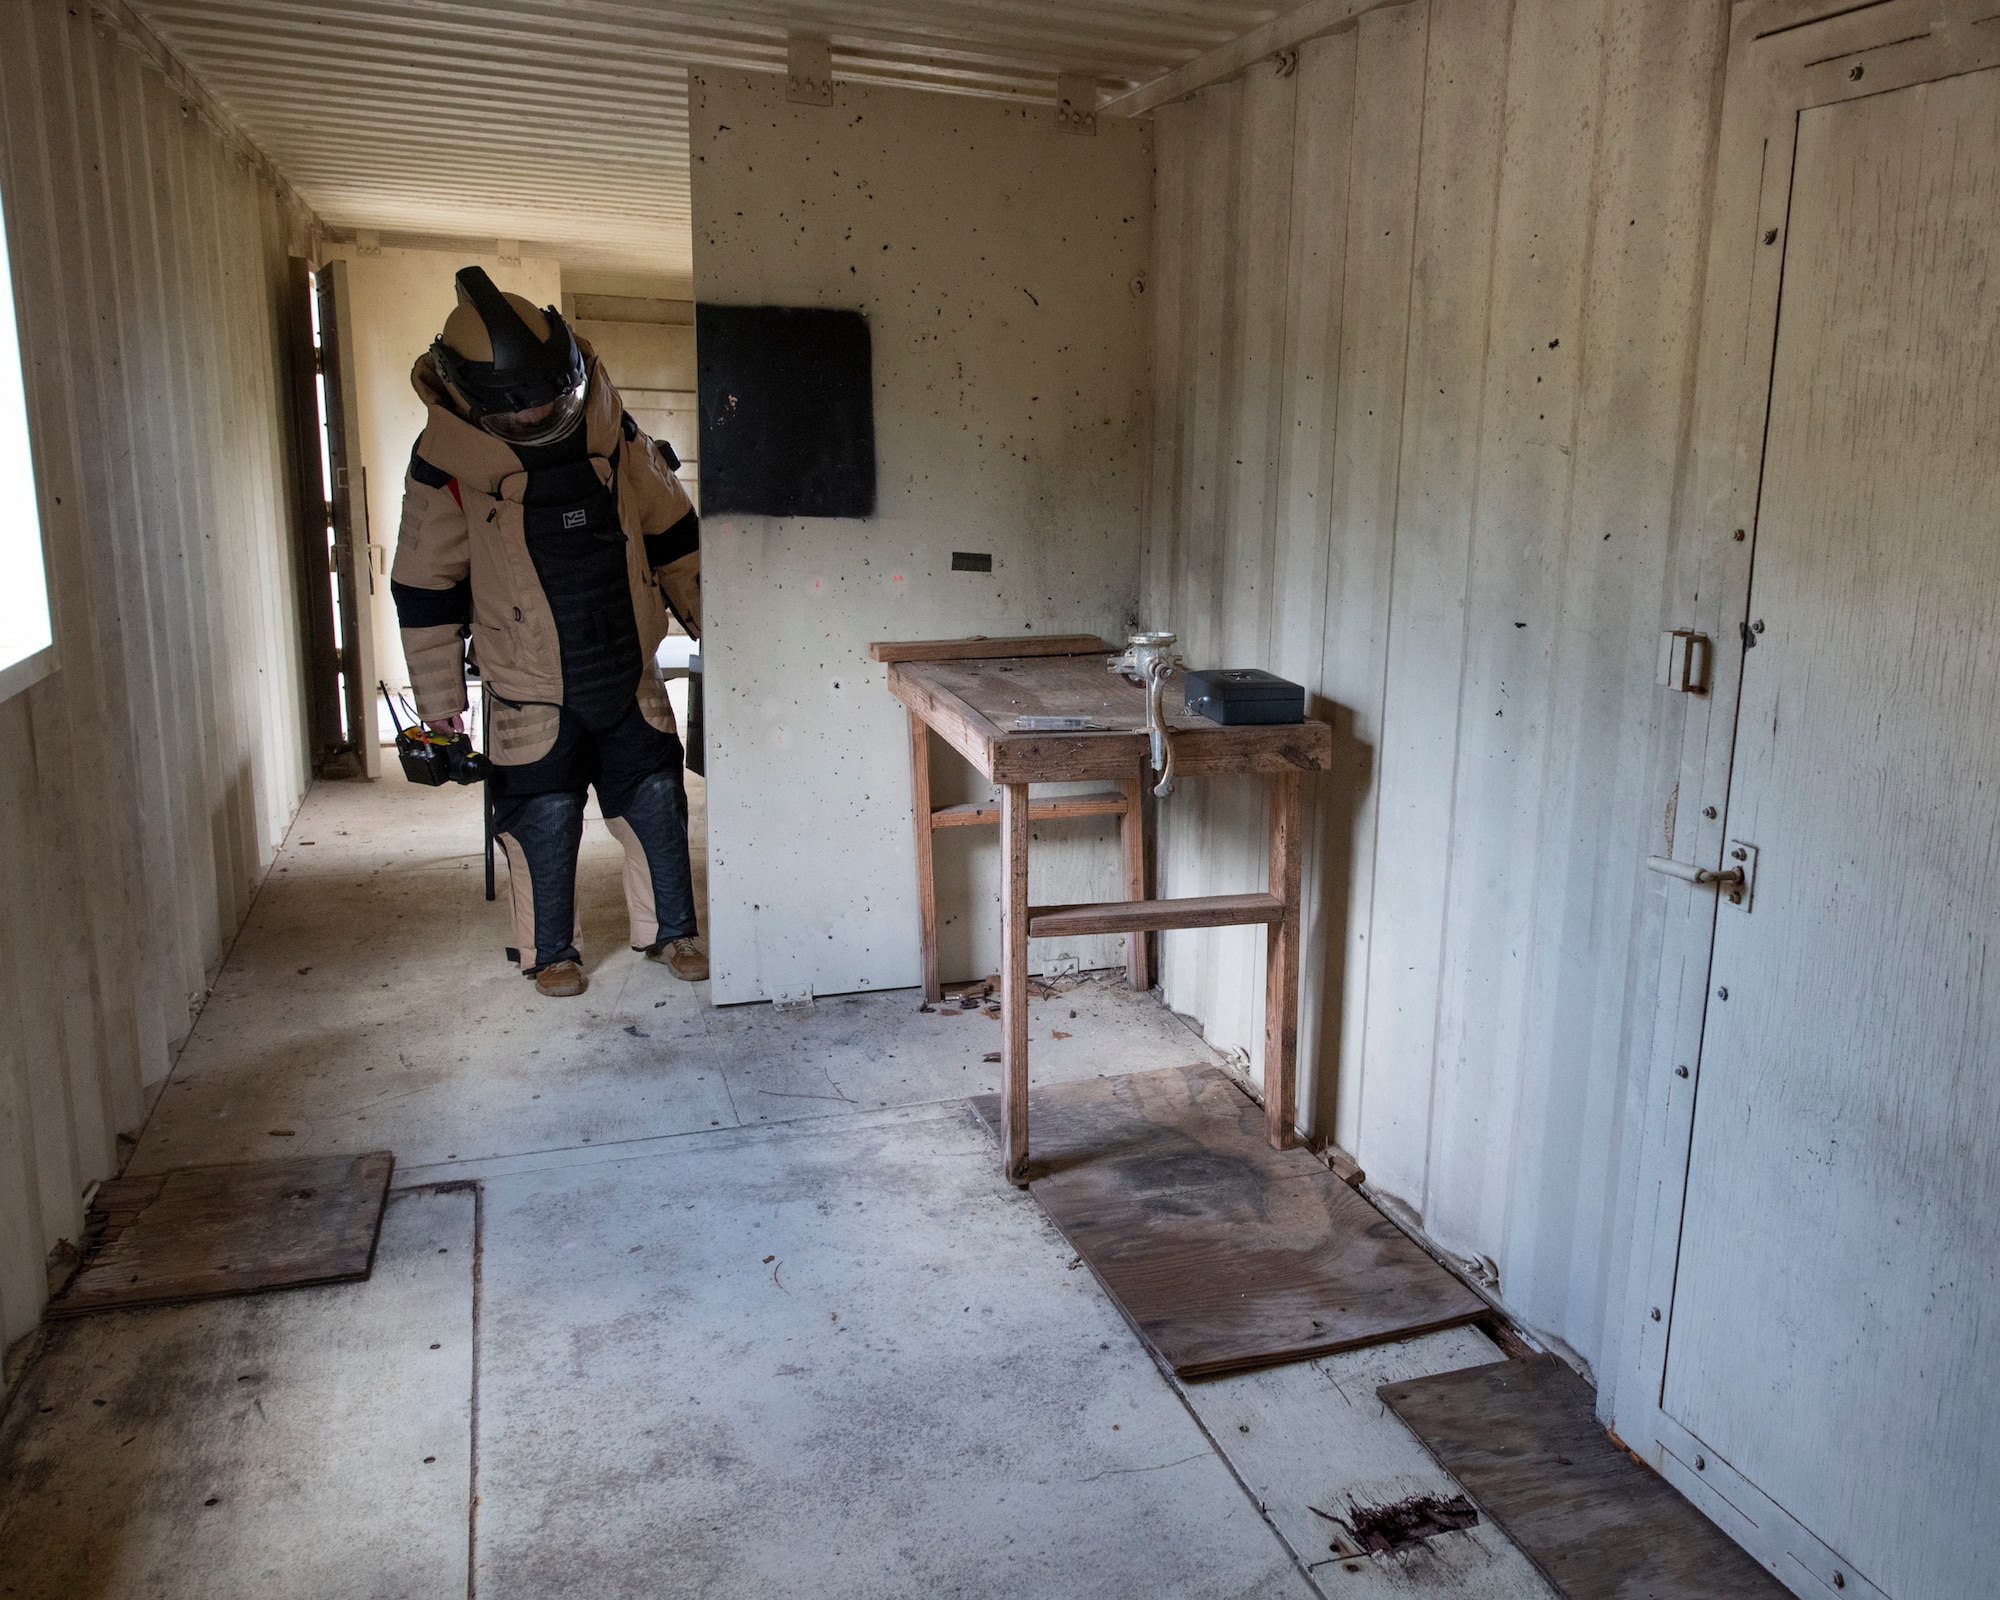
463	527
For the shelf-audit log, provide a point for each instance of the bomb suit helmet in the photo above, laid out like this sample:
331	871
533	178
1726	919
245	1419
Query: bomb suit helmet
511	369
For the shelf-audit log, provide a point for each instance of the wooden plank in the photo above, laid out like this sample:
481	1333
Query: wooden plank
970	734
1524	1440
1132	857
980	647
1203	752
198	1232
1154	916
985	813
923	819
970	704
999	690
1343	1166
1223	1253
1295	27
1281	961
1014	982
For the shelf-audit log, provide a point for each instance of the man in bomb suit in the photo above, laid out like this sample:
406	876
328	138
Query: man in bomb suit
541	524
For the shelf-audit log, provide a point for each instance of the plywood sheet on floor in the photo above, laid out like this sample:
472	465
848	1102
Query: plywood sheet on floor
197	1232
1524	1439
1223	1253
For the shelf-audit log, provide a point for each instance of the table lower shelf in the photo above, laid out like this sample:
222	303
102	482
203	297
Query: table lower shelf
1153	916
1055	808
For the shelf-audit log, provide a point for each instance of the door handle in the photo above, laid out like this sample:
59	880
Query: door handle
1688	872
1732	881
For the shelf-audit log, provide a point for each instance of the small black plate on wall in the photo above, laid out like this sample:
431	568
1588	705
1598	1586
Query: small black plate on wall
971	561
787	411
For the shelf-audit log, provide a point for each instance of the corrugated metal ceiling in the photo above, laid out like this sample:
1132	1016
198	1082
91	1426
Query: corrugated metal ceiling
563	123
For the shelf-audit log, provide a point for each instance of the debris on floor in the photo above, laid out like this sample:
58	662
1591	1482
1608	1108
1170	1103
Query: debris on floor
1383	1530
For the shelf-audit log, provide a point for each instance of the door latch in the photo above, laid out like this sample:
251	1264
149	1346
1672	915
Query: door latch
1684	661
1735	881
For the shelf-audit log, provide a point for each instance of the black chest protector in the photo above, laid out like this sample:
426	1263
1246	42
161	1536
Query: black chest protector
578	548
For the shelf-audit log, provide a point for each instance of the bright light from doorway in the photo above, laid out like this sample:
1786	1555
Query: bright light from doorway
24	594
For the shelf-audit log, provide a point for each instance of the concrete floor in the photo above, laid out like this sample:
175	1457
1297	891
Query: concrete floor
670	1301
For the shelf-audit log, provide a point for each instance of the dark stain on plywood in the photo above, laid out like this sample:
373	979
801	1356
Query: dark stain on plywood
1223	1253
1524	1440
199	1232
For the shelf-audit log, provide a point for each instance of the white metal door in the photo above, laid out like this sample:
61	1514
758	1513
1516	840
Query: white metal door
1832	1332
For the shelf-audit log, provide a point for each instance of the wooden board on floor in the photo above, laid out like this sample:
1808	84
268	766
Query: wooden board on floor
199	1232
1223	1253
1524	1439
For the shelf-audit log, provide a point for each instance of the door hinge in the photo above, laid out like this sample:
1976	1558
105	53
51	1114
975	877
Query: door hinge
1741	859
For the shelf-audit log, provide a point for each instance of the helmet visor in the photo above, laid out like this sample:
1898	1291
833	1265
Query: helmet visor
543	424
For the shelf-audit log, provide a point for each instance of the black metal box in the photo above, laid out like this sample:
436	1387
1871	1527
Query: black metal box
1234	696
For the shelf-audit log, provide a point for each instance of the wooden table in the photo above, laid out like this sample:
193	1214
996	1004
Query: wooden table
969	694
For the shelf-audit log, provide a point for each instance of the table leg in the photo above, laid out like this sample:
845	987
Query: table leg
1014	981
920	816
1281	963
1132	848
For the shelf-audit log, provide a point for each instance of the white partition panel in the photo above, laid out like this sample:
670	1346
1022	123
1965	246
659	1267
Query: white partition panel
1000	261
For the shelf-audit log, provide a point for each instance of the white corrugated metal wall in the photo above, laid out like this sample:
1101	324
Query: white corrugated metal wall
1425	313
145	784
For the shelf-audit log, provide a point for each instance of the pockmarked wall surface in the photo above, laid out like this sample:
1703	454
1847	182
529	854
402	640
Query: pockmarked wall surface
400	300
146	783
1001	263
1426	313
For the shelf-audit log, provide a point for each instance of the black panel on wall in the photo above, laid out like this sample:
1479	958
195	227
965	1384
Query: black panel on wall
787	411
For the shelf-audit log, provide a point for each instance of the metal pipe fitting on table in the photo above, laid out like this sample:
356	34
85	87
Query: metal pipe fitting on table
1149	660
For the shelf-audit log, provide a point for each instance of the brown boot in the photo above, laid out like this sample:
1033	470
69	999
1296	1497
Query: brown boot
684	958
561	979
